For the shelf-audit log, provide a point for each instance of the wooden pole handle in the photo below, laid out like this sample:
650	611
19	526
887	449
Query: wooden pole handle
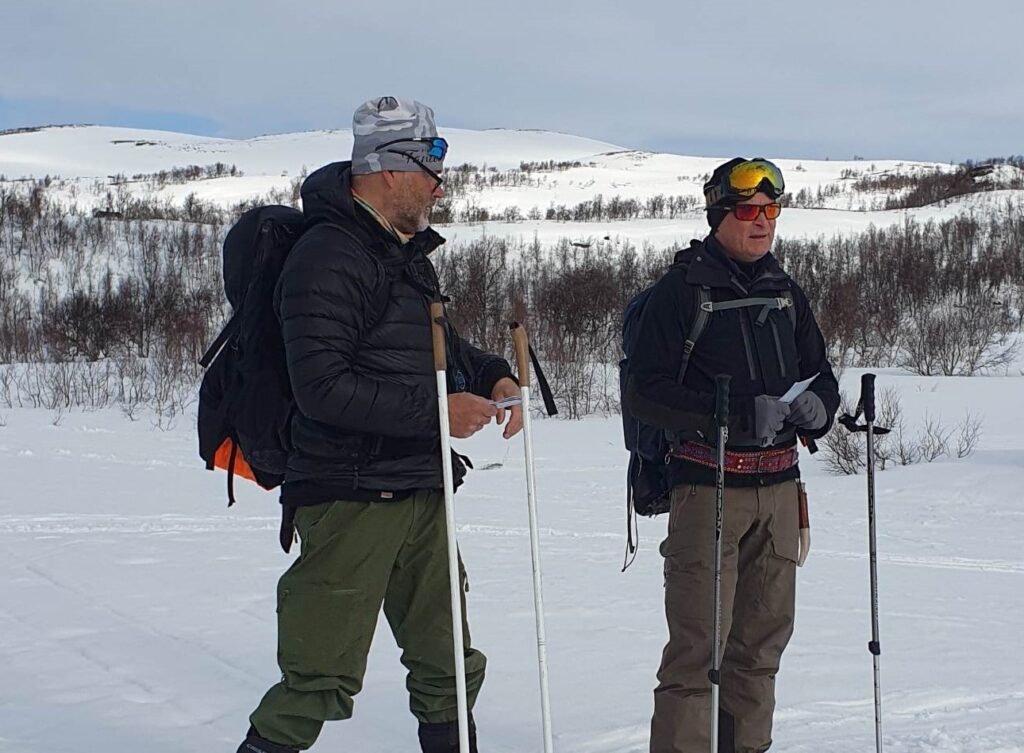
522	346
436	317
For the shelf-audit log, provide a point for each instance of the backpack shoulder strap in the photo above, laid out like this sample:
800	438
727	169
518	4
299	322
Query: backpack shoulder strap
700	323
225	334
706	307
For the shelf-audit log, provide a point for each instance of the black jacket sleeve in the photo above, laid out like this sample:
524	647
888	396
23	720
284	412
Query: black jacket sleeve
326	295
487	369
814	359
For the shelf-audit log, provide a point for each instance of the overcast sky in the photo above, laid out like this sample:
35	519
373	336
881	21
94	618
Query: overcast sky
917	79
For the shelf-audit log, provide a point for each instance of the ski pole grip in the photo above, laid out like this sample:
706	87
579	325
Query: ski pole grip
522	346
436	317
722	399
867	396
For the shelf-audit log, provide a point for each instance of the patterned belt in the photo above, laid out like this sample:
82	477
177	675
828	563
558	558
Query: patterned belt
748	463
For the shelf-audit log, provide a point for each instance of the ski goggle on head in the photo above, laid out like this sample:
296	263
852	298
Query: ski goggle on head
437	148
744	179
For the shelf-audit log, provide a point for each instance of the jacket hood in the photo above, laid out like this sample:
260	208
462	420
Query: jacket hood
327	194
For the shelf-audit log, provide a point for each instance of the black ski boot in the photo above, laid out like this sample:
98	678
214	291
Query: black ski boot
253	743
444	737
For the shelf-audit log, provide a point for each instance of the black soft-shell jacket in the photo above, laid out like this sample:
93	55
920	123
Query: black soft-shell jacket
354	309
762	359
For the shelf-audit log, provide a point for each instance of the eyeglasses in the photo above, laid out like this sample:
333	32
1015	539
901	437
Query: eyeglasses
437	149
750	212
422	167
746	179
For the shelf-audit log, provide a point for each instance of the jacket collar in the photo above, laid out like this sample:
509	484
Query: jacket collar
708	265
327	197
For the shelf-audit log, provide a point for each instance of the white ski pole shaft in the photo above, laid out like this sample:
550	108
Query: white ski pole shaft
867	397
522	348
454	582
722	422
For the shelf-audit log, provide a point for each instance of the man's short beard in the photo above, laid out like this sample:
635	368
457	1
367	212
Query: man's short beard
411	223
410	216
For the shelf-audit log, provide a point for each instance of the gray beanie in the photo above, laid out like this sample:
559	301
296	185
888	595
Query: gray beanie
378	122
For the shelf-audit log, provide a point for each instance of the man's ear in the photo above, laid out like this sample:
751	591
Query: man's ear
389	178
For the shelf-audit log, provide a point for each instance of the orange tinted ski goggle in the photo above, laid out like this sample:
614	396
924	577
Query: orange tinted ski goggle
749	212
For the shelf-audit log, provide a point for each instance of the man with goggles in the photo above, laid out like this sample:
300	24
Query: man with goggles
757	326
364	477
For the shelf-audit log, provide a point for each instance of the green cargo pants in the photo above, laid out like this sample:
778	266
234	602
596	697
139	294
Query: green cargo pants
356	556
760	540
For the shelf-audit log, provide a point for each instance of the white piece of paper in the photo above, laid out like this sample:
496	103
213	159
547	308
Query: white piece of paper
508	402
796	390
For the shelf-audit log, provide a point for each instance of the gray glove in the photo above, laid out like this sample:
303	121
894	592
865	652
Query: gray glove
769	415
808	412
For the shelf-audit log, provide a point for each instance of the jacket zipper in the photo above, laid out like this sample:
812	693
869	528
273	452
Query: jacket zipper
745	329
778	349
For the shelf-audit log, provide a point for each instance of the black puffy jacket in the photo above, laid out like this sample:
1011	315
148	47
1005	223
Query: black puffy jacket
354	310
762	359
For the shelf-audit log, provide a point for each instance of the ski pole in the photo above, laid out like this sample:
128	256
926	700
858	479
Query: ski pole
866	405
722	421
867	401
522	348
440	368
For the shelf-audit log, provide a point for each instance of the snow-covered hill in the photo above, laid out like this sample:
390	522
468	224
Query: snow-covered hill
87	158
101	151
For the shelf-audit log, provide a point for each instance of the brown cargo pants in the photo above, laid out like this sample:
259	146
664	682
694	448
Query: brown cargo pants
760	540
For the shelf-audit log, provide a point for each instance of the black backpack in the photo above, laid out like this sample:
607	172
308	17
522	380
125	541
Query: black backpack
648	487
245	399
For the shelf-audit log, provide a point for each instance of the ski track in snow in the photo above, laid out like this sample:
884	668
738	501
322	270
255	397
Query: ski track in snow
160	525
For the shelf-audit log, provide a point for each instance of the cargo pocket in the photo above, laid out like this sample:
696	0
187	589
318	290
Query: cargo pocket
322	638
684	556
310	517
779	591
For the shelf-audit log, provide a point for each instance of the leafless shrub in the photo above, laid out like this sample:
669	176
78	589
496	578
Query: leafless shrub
845	452
968	435
933	440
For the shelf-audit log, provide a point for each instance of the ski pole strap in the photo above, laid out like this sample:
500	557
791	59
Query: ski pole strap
542	382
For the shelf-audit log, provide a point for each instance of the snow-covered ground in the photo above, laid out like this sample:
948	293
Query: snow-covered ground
139	612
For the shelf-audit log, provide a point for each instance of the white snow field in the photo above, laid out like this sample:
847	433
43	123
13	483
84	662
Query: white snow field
138	612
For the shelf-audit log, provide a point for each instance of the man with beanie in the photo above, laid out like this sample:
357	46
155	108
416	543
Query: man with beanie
759	329
364	474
